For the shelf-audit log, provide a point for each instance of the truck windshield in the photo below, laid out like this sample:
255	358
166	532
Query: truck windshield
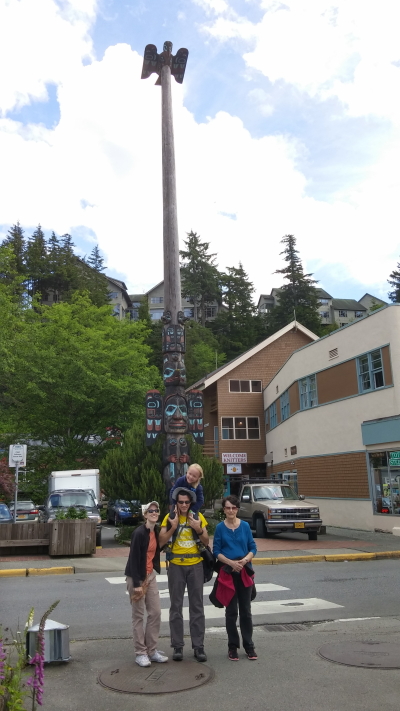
79	498
263	493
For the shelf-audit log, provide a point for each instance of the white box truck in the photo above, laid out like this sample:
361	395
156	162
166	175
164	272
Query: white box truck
88	479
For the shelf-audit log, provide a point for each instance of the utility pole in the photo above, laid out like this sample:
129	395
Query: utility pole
178	412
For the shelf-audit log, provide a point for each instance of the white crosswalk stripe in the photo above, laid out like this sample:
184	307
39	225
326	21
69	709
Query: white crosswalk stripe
259	607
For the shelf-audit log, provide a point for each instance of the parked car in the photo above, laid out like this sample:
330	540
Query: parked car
271	507
5	515
122	511
26	511
63	499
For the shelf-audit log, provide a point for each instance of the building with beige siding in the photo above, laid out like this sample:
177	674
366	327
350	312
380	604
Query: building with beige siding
332	415
233	401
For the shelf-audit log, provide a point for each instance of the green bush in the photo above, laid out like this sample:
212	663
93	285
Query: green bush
71	513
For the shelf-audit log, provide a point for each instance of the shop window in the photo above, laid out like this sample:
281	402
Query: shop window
385	471
370	371
285	405
308	392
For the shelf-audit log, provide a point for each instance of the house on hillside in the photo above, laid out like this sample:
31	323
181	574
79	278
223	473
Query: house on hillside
155	297
332	415
233	402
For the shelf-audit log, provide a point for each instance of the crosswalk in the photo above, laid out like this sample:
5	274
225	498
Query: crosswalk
258	607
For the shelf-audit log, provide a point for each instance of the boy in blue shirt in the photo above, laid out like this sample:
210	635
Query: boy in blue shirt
190	481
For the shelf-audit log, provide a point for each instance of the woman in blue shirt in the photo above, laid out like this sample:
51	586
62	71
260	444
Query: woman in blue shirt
234	546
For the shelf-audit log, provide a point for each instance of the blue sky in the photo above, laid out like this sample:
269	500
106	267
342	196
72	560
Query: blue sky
287	122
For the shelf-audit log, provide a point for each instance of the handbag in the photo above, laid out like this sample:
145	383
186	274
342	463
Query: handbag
208	563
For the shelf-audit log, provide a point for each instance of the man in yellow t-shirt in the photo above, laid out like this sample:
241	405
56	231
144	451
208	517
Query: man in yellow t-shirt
185	571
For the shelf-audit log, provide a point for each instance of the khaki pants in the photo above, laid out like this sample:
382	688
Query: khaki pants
145	637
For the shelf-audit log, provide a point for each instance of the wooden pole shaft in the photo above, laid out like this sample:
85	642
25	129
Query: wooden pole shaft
172	277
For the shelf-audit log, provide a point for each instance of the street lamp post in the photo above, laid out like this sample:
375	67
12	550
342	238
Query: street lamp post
178	412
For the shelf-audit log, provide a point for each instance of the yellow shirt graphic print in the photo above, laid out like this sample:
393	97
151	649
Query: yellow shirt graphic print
184	543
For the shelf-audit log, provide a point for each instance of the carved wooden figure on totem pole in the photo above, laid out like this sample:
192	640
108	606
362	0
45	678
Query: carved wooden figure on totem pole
177	413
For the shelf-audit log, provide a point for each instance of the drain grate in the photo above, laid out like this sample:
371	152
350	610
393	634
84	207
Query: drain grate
286	628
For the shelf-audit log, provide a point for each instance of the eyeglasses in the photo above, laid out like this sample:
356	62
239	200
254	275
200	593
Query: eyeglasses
153	511
230	508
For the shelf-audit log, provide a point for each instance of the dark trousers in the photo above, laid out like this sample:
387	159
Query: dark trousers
191	577
241	600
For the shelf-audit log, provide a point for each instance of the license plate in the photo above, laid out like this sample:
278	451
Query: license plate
299	524
22	516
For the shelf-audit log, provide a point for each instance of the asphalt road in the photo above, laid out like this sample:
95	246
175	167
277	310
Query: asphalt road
96	606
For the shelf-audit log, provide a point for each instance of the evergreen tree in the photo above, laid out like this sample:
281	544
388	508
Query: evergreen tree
298	298
203	353
394	282
240	327
97	282
200	276
134	471
37	264
16	240
54	264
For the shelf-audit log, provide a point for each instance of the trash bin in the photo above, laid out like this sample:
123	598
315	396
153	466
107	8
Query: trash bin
56	641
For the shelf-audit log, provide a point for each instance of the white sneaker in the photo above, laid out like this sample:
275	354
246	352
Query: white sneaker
143	660
158	657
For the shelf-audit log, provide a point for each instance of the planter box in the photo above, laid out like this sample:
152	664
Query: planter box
76	537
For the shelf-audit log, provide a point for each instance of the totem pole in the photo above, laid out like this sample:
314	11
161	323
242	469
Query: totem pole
177	413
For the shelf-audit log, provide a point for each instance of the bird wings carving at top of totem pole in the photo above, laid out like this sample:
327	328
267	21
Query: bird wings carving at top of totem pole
154	62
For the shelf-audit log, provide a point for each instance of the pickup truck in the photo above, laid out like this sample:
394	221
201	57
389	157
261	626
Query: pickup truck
273	507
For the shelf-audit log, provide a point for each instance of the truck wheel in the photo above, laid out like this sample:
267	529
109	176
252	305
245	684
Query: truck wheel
313	536
260	528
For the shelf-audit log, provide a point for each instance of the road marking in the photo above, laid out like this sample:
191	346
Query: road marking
356	619
261	587
272	607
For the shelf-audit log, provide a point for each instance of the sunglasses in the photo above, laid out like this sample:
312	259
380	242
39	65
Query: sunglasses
153	511
184	503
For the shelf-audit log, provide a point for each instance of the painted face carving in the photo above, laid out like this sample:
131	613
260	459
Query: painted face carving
174	372
175	414
173	339
195	414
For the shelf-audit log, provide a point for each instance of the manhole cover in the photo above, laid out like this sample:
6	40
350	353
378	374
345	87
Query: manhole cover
286	627
370	655
157	679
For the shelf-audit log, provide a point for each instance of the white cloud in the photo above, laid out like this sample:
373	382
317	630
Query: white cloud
213	6
40	43
347	49
100	170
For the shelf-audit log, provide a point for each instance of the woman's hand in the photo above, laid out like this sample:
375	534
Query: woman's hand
237	565
243	561
138	590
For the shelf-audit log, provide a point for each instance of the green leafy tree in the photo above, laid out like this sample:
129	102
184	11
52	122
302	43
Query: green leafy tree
200	276
375	306
11	322
394	281
298	297
203	353
77	371
240	327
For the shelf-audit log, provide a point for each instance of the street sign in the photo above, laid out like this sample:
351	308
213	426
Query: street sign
394	460
234	457
233	468
17	454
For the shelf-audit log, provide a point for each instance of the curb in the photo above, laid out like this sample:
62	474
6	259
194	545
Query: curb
281	560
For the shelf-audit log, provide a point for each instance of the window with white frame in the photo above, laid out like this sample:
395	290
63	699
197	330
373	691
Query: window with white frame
358	314
285	405
156	314
324	314
245	386
211	311
308	392
189	312
240	428
273	420
342	314
157	300
370	371
324	301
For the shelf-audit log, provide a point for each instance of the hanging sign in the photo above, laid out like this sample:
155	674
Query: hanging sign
234	457
17	454
394	460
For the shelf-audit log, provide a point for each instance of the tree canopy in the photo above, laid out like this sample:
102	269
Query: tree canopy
200	276
394	281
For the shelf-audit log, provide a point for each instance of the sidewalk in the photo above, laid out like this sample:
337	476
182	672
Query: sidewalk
336	542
